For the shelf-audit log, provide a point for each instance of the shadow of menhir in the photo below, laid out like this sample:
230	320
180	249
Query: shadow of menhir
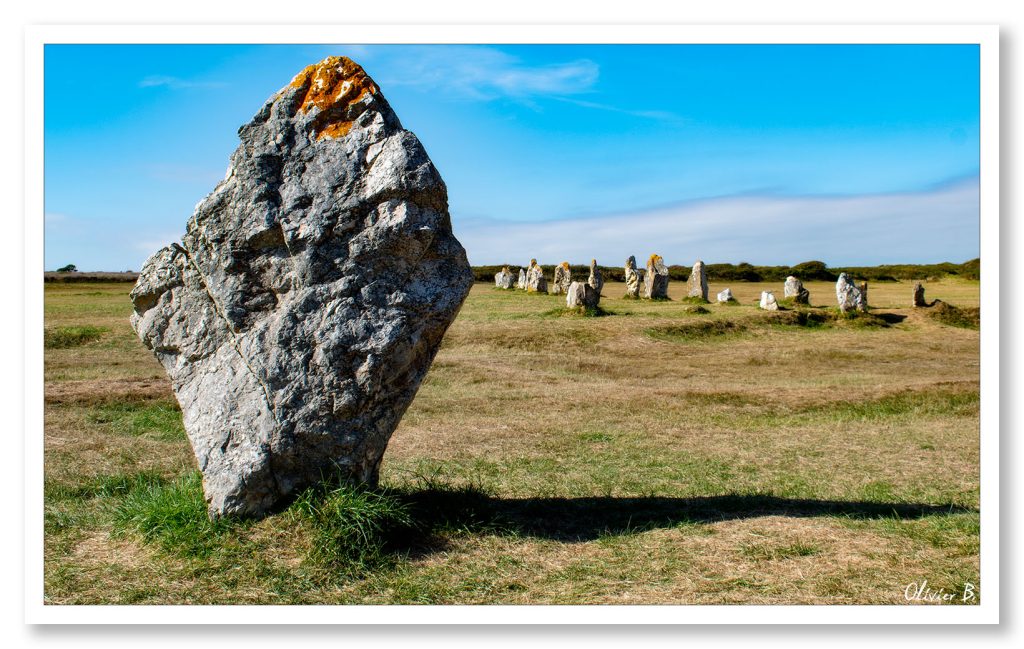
586	519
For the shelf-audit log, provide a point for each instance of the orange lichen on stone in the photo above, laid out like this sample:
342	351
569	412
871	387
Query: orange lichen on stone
654	260
565	265
332	85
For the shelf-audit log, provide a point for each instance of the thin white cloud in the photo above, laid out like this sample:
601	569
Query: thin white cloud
660	115
485	73
176	83
921	227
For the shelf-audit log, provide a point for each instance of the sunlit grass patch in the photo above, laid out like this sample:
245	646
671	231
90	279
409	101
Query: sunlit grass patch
160	419
65	337
173	515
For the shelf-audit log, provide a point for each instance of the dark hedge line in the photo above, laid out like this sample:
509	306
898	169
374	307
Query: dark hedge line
807	271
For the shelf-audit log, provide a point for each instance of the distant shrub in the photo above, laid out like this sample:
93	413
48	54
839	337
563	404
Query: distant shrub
70	268
807	271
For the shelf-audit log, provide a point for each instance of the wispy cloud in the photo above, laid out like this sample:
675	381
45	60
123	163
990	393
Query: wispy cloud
486	73
177	83
661	115
940	224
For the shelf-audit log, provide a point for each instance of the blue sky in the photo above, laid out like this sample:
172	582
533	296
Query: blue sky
765	154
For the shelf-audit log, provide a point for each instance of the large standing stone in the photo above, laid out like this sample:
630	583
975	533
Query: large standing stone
794	288
562	279
504	279
535	281
726	296
848	295
309	295
521	282
697	286
582	295
919	300
632	278
596	281
656	279
768	301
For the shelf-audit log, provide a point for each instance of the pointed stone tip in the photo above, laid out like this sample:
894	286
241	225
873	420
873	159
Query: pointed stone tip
332	86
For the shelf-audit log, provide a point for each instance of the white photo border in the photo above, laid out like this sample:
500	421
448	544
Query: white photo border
985	36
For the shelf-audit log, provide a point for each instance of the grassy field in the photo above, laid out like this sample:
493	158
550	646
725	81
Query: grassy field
654	455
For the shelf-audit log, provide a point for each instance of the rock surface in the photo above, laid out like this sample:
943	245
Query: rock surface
656	279
535	281
697	286
581	295
521	282
919	300
632	278
864	296
848	295
595	281
794	288
504	279
563	278
309	294
768	301
726	296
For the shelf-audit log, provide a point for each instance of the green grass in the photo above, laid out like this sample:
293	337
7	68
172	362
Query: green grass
173	516
353	528
693	299
569	460
581	312
767	552
66	337
159	419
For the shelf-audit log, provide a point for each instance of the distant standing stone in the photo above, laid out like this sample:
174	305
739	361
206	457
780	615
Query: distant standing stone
848	295
919	295
794	288
698	284
581	295
504	279
535	282
768	301
656	279
632	278
726	296
562	279
864	296
596	281
521	282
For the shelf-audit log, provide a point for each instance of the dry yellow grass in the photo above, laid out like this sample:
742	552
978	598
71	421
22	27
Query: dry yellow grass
774	464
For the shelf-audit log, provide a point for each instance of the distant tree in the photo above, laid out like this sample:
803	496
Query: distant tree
70	268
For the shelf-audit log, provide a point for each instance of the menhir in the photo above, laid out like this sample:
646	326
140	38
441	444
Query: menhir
309	295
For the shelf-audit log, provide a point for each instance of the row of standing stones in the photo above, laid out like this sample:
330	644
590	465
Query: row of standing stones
849	296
